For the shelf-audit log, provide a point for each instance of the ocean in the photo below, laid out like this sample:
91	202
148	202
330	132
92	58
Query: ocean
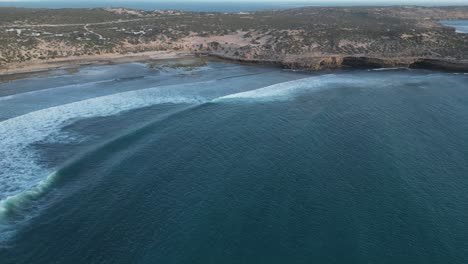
160	5
461	26
210	6
233	163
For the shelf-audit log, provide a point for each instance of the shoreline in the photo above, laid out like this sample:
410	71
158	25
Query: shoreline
72	62
335	62
308	39
318	63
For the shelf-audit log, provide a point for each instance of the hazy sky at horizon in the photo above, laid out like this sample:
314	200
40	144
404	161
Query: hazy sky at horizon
234	2
254	1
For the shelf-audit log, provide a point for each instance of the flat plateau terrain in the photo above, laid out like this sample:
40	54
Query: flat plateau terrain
311	38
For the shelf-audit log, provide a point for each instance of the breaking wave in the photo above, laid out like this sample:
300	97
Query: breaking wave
390	69
20	172
77	85
20	205
289	90
22	178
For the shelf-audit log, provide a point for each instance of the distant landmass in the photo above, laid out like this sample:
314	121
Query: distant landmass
310	38
210	6
161	5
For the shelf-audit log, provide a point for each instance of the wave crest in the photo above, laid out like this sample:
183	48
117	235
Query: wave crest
19	169
288	90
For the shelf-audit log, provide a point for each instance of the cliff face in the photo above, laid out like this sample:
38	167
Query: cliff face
362	62
434	64
305	38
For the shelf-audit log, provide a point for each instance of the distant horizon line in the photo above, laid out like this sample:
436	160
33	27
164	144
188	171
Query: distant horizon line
221	6
322	2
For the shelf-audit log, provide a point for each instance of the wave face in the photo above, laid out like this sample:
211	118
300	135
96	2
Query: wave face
276	167
19	169
288	90
23	175
292	89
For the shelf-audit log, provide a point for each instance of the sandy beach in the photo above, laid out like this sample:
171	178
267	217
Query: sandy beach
70	62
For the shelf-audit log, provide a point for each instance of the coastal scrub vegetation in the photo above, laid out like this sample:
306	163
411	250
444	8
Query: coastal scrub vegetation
40	34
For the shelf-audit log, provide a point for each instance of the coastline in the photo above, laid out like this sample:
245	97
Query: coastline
299	39
316	63
71	62
331	62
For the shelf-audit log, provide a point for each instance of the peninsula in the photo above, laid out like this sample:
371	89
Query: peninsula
310	38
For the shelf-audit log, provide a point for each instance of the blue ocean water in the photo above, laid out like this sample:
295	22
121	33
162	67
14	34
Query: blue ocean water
231	163
203	6
171	5
461	26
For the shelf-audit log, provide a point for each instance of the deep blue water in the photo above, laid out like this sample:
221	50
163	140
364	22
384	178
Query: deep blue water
234	164
209	6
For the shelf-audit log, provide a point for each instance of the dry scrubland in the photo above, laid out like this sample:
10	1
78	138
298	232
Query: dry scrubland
309	38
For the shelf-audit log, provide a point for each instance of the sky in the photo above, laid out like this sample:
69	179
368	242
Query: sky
255	1
305	2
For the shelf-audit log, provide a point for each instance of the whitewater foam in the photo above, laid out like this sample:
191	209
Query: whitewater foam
78	85
20	171
389	69
20	208
289	90
21	177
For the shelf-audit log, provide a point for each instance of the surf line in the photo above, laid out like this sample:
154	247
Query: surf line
13	208
22	207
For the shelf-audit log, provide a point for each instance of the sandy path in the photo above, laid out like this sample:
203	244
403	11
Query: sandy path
92	32
71	25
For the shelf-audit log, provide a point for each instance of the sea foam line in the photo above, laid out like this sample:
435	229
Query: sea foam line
9	97
291	89
21	178
287	90
20	172
15	206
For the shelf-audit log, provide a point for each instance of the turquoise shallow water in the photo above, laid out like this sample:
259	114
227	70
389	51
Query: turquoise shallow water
276	167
